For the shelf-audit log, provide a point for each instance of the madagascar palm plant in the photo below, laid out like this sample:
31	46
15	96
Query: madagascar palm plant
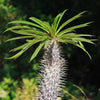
49	36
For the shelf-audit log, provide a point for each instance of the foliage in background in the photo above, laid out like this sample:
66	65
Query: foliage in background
8	87
12	69
7	13
28	91
9	90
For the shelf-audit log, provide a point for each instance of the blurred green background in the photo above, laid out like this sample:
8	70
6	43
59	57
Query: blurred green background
81	70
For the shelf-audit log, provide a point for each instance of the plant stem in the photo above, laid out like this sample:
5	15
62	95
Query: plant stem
51	72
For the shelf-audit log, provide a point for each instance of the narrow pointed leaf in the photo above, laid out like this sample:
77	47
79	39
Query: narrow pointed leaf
20	52
19	47
22	37
72	35
26	47
16	55
67	41
70	20
47	25
82	40
60	18
83	48
36	20
27	23
39	22
73	28
35	32
17	27
24	22
80	45
37	51
22	32
57	20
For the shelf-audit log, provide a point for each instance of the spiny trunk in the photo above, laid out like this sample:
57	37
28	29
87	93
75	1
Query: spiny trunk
51	72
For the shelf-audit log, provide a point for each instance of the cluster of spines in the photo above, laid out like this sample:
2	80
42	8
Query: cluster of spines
52	71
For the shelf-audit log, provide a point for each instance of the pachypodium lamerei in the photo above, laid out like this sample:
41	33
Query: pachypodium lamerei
52	72
49	36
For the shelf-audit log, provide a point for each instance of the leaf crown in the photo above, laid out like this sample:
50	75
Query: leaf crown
42	32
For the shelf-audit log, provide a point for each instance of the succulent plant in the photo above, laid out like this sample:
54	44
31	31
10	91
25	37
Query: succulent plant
49	36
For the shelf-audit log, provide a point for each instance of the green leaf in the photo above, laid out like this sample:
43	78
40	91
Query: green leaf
26	47
18	48
70	29
42	38
21	37
82	40
80	45
17	27
67	41
37	51
27	23
40	23
47	25
57	20
23	22
22	32
72	35
70	20
60	18
75	38
36	20
34	31
16	55
20	52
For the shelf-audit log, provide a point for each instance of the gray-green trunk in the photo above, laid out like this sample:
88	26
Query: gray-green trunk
51	72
